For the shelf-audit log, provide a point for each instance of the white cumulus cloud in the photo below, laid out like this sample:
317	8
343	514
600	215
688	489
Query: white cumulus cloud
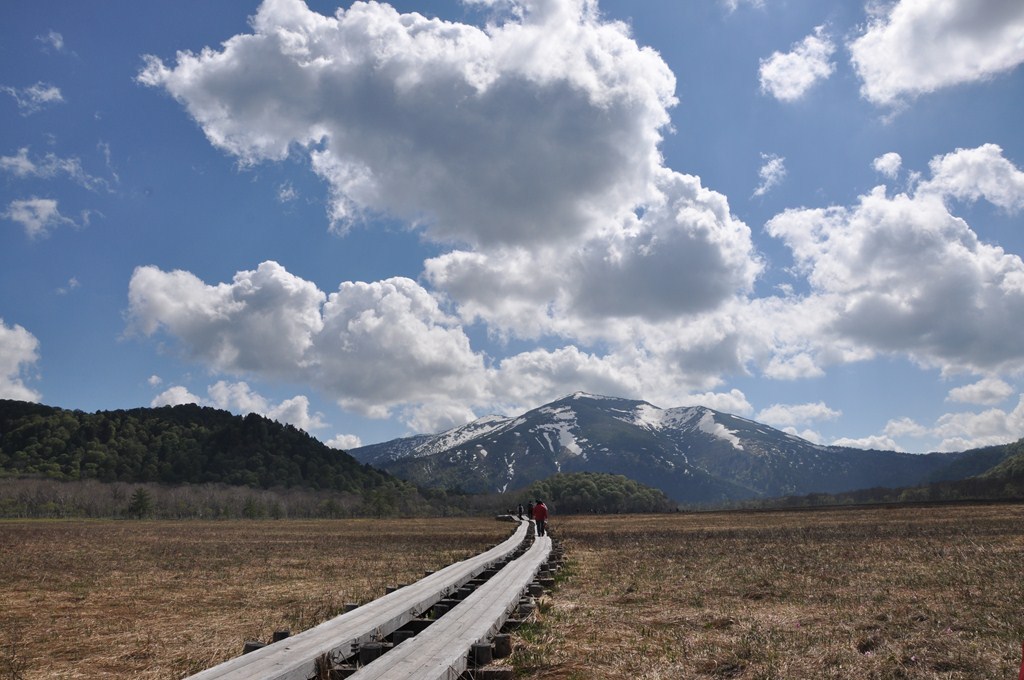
902	274
388	348
960	431
264	320
344	442
175	396
530	148
985	391
904	427
733	401
788	76
919	46
872	442
540	126
979	173
810	435
19	351
370	346
684	255
888	164
239	398
782	415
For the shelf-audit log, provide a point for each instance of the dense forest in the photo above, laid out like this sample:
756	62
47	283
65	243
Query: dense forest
593	492
187	444
185	461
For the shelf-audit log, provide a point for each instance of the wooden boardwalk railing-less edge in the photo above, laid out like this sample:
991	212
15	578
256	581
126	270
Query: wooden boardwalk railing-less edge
440	651
481	613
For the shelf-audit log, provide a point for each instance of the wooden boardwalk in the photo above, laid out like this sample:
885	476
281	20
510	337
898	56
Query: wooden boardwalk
295	657
440	651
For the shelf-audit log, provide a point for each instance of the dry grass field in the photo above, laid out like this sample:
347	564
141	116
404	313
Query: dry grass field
161	600
855	593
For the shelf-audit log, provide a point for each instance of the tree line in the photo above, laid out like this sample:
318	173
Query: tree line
186	444
41	498
592	492
186	461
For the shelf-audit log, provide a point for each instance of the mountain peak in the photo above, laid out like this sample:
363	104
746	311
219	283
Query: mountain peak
692	453
586	395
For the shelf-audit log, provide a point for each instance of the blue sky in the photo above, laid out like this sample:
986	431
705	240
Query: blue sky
379	219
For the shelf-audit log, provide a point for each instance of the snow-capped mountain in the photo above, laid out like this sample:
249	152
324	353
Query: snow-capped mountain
694	454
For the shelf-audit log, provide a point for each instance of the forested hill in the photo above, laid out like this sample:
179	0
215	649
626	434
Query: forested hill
187	444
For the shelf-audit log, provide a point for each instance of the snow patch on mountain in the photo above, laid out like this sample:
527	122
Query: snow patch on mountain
682	416
708	424
559	432
510	473
646	415
656	419
567	439
450	439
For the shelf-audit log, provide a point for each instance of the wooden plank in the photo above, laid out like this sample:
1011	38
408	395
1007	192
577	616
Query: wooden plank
440	651
295	657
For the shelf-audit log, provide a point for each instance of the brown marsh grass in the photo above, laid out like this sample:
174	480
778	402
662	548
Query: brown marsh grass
162	600
910	592
855	593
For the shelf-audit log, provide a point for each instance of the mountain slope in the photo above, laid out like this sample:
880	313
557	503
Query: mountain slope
693	454
974	462
185	444
1011	467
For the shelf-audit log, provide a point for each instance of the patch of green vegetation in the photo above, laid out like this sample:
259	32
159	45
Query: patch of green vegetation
593	492
186	444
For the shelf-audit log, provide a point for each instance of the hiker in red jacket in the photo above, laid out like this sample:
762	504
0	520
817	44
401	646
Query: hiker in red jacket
540	516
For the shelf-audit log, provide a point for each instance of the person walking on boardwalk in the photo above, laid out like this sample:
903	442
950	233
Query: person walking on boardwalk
540	516
520	511
529	510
